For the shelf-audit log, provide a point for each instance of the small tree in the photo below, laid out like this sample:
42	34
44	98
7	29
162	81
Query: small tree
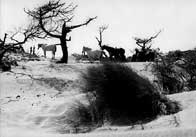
145	54
143	42
52	18
100	39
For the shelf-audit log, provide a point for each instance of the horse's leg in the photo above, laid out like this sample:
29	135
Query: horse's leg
112	56
101	56
53	57
45	54
105	54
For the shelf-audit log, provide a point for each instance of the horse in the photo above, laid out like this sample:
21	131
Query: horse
46	47
85	49
110	50
92	55
120	53
77	57
115	53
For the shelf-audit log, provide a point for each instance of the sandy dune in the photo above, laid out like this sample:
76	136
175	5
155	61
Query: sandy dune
36	95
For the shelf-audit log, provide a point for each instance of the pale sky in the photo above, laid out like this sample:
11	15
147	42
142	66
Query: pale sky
126	19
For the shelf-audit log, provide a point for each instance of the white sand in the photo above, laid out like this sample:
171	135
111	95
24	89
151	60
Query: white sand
32	109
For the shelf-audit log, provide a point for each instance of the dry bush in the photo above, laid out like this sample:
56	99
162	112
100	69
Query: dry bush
118	95
170	80
190	67
176	71
7	62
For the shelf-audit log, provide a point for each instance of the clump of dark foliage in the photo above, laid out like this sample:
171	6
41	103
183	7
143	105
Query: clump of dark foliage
7	62
176	71
118	95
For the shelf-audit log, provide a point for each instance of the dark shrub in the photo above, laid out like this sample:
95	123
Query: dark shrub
7	62
5	66
119	93
190	67
174	55
170	80
176	71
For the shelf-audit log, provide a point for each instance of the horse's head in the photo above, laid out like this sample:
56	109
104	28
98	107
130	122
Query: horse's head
39	46
103	47
86	49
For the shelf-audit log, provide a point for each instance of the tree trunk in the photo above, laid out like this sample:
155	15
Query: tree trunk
64	59
1	57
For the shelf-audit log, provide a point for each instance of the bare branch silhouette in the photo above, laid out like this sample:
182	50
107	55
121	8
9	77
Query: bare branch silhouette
52	19
100	39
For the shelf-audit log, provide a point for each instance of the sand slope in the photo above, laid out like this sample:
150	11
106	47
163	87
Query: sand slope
36	95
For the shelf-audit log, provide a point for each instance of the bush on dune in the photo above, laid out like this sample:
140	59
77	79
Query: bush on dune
119	95
7	62
176	71
168	79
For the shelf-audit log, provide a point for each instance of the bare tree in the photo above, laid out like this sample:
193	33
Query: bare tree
143	42
100	39
28	33
53	18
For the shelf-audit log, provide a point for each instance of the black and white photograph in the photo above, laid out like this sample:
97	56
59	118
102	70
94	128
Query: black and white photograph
97	68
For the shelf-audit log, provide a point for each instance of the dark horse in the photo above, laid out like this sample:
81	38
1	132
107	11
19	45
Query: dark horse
117	54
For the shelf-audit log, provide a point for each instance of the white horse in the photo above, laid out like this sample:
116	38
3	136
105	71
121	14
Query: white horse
92	55
46	47
85	49
77	57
